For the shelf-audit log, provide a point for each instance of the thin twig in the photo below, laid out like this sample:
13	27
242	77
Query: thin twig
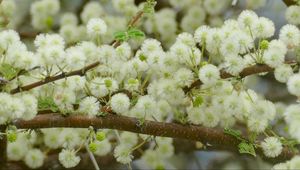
92	157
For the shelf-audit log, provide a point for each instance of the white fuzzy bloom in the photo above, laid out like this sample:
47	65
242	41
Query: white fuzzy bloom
103	147
292	113
186	38
293	84
264	28
272	147
7	38
89	106
283	72
68	18
292	14
294	163
184	77
211	118
150	45
16	150
120	103
234	64
68	158
280	166
31	106
123	51
247	19
34	158
123	154
279	46
209	74
96	27
290	35
100	87
146	105
257	125
201	33
69	138
51	138
273	59
128	138
230	47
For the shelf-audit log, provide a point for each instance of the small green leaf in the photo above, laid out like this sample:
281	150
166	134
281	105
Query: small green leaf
235	133
198	101
135	33
45	103
121	36
8	72
247	148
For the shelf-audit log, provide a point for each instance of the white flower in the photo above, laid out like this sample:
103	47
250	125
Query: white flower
69	138
184	77
120	103
123	154
211	118
89	106
68	158
273	58
292	14
150	45
201	33
68	18
31	106
16	150
247	19
294	163
290	35
209	74
103	147
34	158
257	125
283	72
264	28
96	27
51	137
234	64
272	147
128	138
293	84
230	47
280	166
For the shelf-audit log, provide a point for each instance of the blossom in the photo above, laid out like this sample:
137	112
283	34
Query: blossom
89	106
209	74
96	27
120	103
123	154
34	158
272	147
68	158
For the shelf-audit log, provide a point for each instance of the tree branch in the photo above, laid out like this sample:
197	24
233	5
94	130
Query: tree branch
208	136
80	72
289	2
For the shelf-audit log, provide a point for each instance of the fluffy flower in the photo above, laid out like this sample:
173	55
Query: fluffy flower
89	106
283	72
68	158
209	74
34	158
290	35
123	154
120	103
272	147
273	58
292	14
96	27
293	84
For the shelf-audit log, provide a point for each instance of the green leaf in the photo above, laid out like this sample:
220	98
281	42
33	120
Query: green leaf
247	148
198	101
135	33
121	36
45	103
235	133
8	72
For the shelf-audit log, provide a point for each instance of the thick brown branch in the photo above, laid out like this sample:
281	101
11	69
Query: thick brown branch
212	137
79	72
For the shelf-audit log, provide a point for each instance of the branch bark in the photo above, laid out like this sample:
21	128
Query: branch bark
212	137
80	72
